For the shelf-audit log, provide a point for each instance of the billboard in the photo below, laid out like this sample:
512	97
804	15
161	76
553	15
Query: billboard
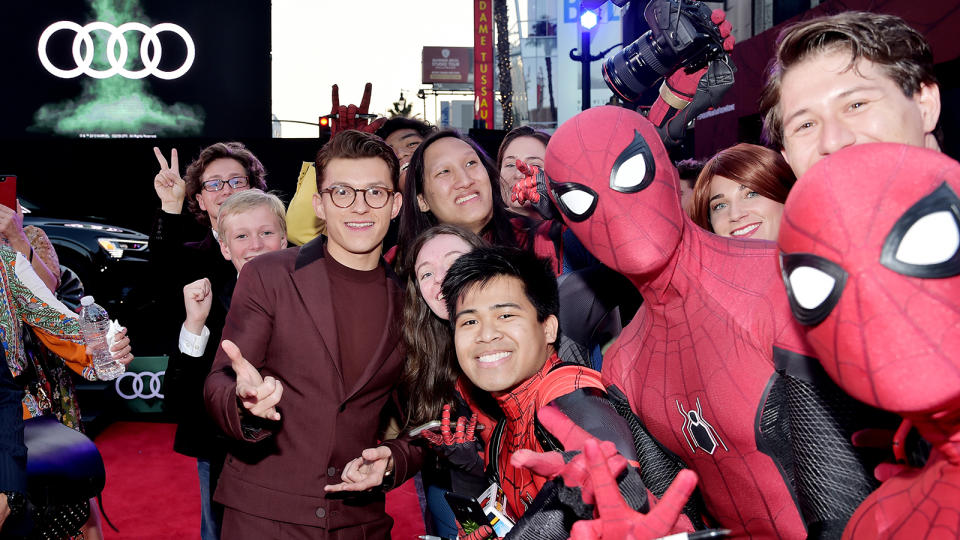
135	69
448	65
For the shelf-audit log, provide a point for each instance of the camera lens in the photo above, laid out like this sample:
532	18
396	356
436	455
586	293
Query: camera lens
637	67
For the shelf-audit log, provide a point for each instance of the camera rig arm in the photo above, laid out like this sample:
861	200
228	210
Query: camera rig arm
697	87
677	105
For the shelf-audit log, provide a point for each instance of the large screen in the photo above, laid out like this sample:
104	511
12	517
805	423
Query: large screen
116	69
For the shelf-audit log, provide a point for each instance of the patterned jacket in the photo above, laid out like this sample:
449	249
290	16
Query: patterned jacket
27	300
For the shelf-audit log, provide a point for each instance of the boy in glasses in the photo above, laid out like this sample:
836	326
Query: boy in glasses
220	170
310	357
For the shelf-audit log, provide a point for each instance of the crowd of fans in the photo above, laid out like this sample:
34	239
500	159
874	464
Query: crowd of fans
425	281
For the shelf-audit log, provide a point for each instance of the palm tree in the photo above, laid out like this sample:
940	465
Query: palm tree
503	62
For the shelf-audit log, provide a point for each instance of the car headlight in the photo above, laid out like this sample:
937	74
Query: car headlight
116	246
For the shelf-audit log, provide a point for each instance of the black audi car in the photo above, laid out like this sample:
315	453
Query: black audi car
111	261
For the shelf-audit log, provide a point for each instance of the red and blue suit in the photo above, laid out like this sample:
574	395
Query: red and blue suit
870	239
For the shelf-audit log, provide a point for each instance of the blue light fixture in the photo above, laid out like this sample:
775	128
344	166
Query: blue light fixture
588	19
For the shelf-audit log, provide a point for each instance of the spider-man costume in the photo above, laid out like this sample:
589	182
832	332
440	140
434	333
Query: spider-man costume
871	262
519	406
713	364
547	510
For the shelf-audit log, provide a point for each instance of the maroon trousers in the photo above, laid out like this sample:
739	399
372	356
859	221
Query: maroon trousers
239	525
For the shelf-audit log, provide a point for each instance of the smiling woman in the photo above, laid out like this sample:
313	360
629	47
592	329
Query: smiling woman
741	191
450	180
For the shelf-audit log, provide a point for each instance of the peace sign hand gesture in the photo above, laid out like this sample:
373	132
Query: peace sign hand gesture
169	186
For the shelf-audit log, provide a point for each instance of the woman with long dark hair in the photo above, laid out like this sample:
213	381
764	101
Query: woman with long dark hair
431	377
431	371
452	181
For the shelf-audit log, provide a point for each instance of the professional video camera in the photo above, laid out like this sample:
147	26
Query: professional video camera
681	35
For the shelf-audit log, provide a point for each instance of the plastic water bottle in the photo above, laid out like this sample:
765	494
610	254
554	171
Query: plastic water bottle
94	325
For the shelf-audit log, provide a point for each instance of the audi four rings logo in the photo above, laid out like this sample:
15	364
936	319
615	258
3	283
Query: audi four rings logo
83	50
152	384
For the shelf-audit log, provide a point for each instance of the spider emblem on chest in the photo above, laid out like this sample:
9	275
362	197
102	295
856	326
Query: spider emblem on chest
698	432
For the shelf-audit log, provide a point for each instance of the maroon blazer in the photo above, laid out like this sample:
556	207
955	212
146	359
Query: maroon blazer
283	323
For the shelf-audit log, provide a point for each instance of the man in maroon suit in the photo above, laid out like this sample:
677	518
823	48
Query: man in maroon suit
305	389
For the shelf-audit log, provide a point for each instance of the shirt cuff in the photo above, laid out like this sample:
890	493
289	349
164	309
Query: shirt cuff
192	344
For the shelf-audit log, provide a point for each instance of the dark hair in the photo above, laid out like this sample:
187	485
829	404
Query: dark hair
886	40
689	170
401	122
353	144
431	370
254	170
516	133
480	266
413	221
756	167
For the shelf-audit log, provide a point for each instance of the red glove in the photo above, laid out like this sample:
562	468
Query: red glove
533	189
719	18
685	95
460	447
525	190
575	472
464	433
483	532
885	439
683	85
615	517
347	114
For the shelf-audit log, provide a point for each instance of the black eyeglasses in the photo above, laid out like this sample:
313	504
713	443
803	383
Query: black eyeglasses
217	184
343	196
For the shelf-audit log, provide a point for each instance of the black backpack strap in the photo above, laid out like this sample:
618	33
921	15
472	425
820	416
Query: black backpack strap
547	441
496	441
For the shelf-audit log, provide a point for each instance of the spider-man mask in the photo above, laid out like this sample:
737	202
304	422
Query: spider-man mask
603	164
870	259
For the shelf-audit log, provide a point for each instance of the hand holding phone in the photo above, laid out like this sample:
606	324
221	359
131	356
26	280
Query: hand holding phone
457	444
433	424
8	191
11	220
468	512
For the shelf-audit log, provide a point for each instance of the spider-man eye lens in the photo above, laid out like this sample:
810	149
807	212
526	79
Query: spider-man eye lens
925	241
814	286
576	201
811	286
634	168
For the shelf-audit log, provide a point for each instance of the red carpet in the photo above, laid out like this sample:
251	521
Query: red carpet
152	492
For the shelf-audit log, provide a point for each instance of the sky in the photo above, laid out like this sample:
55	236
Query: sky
318	43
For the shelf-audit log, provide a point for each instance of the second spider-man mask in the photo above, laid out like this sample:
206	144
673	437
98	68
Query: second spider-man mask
871	260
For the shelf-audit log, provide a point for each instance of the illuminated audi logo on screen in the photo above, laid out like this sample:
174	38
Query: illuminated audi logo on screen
116	50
